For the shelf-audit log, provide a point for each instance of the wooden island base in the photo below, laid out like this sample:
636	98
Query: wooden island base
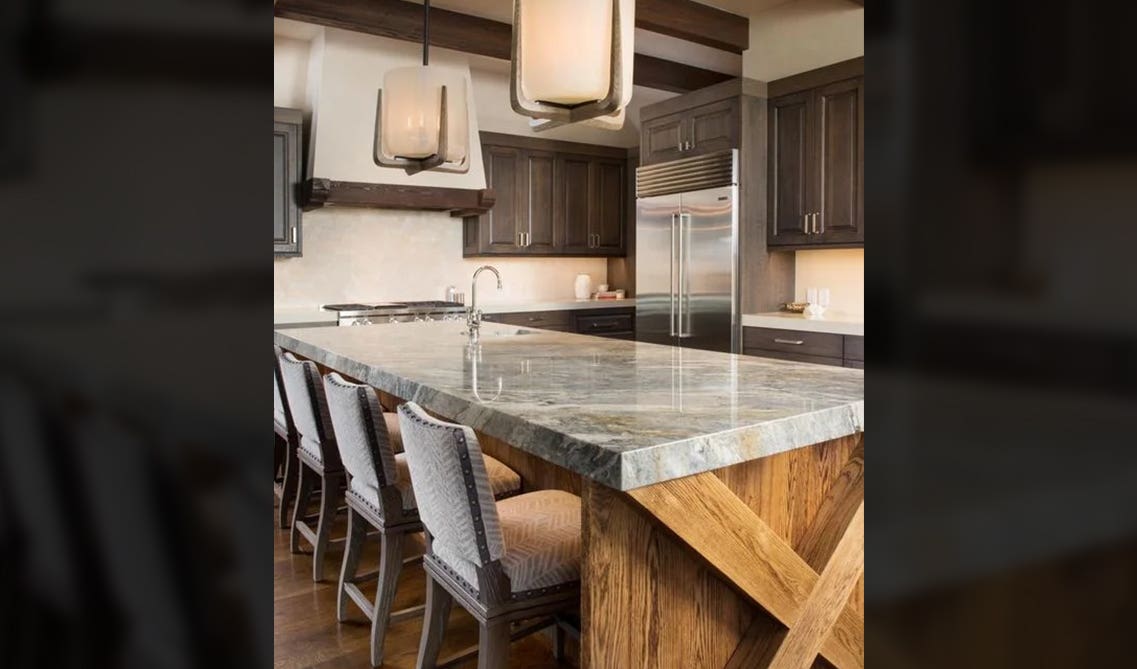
755	565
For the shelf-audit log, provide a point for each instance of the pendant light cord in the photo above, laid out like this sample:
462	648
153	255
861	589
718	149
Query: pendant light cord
426	32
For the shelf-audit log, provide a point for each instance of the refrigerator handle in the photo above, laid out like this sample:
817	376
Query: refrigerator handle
684	288
671	280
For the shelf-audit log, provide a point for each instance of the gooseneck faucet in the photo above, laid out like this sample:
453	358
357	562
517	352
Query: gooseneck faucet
473	313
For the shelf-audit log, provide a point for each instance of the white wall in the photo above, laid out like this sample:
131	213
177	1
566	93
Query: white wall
354	254
842	271
802	35
289	72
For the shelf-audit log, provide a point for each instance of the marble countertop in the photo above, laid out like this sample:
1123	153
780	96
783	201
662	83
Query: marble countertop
625	414
314	314
830	323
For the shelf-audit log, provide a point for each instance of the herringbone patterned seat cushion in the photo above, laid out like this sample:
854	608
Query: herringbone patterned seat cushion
542	539
503	480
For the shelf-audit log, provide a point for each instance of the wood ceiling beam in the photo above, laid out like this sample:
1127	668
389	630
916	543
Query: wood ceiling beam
695	22
402	20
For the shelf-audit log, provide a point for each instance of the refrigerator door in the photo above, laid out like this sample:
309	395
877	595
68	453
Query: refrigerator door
707	313
656	268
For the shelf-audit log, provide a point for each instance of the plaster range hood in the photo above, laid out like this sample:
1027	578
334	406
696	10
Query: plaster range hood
345	70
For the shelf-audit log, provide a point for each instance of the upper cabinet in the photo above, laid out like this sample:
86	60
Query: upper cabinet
699	129
552	199
816	166
287	131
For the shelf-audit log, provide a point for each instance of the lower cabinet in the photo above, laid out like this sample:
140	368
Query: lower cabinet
613	323
818	347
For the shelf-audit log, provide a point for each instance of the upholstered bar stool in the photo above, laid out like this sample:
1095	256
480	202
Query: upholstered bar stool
505	562
318	457
285	460
380	495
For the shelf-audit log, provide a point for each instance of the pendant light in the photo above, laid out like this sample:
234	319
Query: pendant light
572	61
422	122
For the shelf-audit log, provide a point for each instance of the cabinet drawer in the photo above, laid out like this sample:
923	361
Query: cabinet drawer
605	324
534	319
854	348
793	341
795	357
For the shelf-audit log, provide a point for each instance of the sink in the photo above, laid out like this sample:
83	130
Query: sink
509	333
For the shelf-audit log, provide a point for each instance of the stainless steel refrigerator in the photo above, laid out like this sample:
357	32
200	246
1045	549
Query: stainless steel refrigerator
687	252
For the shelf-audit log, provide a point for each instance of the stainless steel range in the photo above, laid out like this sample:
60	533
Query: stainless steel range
397	312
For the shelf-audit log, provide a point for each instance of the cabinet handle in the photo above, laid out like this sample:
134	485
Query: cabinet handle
293	233
794	342
517	242
816	219
679	137
805	223
692	143
528	239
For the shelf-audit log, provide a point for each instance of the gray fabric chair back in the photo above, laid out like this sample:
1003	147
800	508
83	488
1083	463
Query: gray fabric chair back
279	411
304	392
452	489
361	433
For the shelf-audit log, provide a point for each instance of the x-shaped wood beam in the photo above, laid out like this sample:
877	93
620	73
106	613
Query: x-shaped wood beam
806	590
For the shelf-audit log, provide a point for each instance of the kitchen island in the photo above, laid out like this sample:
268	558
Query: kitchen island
722	495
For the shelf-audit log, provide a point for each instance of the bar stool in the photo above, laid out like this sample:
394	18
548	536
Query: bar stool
318	457
503	562
379	494
284	457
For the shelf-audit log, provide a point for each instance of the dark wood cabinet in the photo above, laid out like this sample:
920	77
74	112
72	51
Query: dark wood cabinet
574	203
816	166
788	151
818	347
499	230
660	139
553	199
538	218
700	129
287	134
612	322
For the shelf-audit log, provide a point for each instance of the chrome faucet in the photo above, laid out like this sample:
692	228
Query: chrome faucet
473	313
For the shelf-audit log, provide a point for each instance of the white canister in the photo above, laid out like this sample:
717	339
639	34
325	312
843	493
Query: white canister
583	286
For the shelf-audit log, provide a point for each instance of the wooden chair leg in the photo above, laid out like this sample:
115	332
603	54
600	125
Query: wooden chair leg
356	532
493	645
390	566
305	483
288	489
329	501
438	603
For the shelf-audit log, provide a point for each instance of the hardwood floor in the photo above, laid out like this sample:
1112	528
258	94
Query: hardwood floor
306	634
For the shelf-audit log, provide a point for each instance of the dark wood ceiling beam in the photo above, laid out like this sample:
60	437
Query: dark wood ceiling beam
402	20
695	22
667	75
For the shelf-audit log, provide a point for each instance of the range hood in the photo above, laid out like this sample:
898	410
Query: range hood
345	69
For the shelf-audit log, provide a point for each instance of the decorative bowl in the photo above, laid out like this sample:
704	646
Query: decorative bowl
794	307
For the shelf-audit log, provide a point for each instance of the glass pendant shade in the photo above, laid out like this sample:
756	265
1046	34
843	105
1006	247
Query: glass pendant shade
566	46
572	61
411	112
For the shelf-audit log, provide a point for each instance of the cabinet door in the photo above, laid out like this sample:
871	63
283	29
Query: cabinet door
574	198
840	149
713	127
499	227
661	139
286	130
537	219
789	168
609	214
